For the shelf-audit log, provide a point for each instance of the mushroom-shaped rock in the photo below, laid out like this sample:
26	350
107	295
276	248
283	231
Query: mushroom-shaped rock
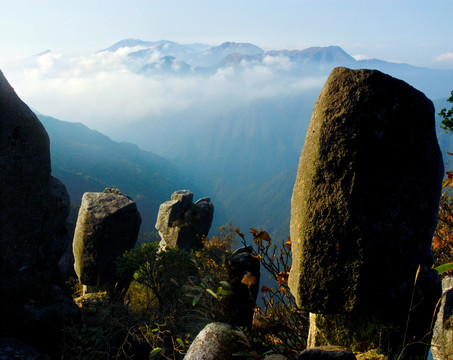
183	224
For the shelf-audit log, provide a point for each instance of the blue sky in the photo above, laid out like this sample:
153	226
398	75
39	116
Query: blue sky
413	31
74	82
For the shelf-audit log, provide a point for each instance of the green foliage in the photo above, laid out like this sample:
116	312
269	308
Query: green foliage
444	268
166	287
102	332
158	294
447	116
211	259
163	273
175	293
442	243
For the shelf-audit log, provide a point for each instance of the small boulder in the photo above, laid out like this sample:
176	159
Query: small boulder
107	226
214	342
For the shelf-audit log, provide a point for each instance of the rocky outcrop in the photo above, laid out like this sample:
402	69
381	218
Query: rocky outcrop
107	225
183	224
363	212
214	342
28	217
244	276
442	341
33	211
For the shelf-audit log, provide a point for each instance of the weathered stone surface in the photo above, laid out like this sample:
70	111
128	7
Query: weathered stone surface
442	341
107	226
351	330
326	353
205	214
214	342
183	224
244	276
183	196
275	357
33	211
365	202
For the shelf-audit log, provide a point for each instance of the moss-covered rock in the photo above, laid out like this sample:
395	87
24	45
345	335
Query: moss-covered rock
364	207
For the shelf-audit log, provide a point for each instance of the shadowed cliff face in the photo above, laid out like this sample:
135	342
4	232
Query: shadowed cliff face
33	211
24	180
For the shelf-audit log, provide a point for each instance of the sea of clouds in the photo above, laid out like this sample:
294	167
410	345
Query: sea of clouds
106	88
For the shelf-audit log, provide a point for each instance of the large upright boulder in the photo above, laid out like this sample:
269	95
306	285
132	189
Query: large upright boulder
33	235
107	225
183	224
363	212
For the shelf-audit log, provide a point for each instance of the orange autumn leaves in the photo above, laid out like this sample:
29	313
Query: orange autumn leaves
258	237
444	231
282	280
248	279
442	242
279	322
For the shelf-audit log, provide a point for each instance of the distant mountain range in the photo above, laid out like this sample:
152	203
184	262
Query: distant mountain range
242	156
86	160
168	57
257	195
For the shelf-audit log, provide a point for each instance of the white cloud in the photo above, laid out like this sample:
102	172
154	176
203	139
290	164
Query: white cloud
446	57
103	89
360	57
279	62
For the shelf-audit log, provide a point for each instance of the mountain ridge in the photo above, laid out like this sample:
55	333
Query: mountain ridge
86	160
242	153
205	60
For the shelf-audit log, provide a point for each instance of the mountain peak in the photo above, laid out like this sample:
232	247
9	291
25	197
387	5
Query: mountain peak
329	54
128	43
242	48
316	54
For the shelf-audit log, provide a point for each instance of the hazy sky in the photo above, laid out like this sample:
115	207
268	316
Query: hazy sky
413	31
74	82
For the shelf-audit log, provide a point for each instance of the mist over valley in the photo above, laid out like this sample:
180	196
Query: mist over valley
230	119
